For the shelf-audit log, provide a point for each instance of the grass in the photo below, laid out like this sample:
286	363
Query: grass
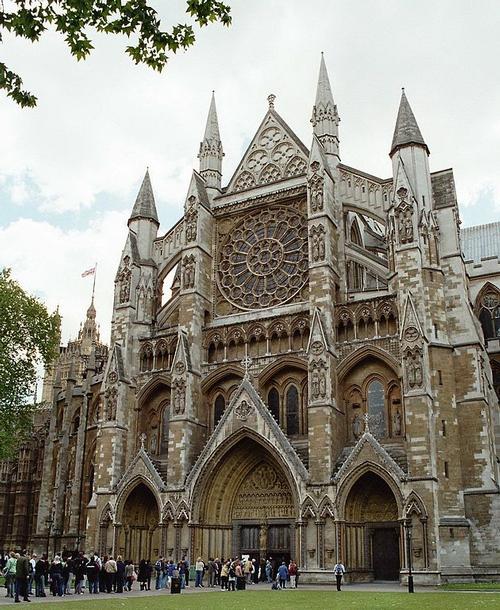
283	600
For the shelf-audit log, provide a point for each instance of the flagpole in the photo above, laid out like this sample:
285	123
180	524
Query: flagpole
93	285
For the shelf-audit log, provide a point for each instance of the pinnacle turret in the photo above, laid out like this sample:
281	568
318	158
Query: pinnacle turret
144	206
406	131
211	152
325	118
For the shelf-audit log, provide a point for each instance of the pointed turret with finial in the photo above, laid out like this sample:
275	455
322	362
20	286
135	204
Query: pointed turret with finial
211	152
325	118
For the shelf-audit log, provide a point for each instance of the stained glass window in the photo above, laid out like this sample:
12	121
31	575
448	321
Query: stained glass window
273	402
220	405
376	408
292	411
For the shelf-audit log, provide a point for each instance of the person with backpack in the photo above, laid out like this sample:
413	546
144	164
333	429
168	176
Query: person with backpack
282	575
9	572
92	569
231	580
159	566
339	571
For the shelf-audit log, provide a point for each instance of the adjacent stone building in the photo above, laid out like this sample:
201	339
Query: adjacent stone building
303	366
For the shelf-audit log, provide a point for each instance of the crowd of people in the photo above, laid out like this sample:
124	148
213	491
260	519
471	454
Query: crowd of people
74	573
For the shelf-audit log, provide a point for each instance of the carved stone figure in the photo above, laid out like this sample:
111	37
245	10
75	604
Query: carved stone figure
179	396
188	265
111	396
124	281
414	370
318	243
242	410
397	424
318	379
357	426
316	189
191	220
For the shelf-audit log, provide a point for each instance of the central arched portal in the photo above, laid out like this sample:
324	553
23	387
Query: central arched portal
246	506
139	534
372	530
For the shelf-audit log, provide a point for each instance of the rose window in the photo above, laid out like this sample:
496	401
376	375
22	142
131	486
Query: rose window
263	261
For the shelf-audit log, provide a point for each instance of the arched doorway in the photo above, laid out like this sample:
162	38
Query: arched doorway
372	530
245	504
139	536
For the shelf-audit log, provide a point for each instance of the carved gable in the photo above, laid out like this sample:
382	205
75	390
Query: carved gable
275	153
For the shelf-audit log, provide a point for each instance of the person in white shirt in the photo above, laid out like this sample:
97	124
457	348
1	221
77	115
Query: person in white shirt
339	571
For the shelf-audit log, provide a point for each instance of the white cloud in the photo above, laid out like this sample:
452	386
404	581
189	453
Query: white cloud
48	262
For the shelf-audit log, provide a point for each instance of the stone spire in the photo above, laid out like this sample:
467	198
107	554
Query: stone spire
406	131
89	332
325	118
145	203
211	152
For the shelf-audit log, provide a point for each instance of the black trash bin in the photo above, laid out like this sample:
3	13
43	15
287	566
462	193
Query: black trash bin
240	583
175	585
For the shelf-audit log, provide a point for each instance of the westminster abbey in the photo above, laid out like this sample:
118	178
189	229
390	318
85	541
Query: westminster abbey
304	366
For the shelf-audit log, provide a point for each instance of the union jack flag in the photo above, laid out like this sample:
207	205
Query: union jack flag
90	271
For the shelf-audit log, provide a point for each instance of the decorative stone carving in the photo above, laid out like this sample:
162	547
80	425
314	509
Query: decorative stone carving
242	410
317	348
111	397
316	182
404	217
188	271
397	423
191	220
317	234
414	368
179	396
357	426
179	368
411	334
124	277
318	379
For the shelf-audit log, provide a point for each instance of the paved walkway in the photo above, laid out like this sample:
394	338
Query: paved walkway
379	587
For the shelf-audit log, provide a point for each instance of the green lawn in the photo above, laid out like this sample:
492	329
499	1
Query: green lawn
283	600
473	586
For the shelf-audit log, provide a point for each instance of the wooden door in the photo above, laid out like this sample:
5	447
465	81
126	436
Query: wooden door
385	554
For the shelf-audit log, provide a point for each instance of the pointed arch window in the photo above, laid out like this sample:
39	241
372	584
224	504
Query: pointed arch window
219	407
292	411
489	314
376	408
273	402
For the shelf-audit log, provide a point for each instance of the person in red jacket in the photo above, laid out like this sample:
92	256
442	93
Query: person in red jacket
292	572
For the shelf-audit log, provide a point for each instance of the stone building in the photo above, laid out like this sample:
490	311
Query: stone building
297	369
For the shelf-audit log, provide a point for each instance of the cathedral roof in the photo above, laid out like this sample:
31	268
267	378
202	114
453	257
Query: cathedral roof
145	203
406	130
481	241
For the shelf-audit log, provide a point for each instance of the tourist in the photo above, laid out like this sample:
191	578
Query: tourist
120	574
56	576
217	570
255	571
32	573
292	572
211	572
41	571
224	574
102	574
130	575
92	569
110	570
186	564
170	572
262	570
9	572
339	571
79	564
269	571
149	571
159	566
231	576
67	571
23	568
200	568
247	570
181	568
142	576
282	575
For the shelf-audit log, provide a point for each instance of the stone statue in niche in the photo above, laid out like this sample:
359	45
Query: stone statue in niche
318	379
404	215
316	188
318	243
414	369
397	423
179	396
357	426
124	281
188	264
111	396
191	219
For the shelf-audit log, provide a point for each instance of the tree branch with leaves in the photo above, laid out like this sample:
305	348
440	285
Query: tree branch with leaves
73	19
29	336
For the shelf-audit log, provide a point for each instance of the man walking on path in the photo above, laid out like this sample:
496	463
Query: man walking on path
339	571
283	575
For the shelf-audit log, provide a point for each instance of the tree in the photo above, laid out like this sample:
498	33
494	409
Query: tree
29	336
73	18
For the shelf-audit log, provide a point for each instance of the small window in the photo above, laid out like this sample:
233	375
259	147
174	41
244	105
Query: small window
273	402
219	407
292	411
446	472
376	408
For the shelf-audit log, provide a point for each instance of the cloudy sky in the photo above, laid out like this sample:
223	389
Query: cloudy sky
70	169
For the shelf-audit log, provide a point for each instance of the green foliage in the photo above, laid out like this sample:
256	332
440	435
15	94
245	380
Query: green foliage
73	19
29	336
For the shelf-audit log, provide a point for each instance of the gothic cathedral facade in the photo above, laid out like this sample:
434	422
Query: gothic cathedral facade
300	368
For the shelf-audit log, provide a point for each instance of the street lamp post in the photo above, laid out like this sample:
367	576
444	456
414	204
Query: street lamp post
49	523
408	528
